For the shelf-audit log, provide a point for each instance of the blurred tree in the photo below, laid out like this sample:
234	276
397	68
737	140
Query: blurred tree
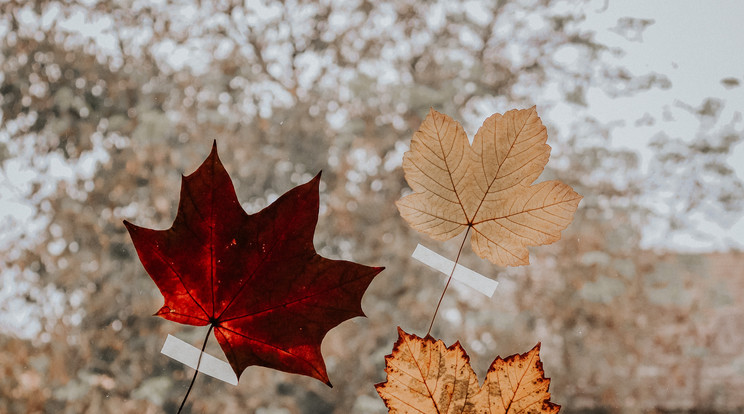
105	103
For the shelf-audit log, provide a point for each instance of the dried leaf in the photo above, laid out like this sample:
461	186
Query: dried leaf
516	384
425	376
487	186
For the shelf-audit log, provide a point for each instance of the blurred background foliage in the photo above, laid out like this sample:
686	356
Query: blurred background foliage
106	103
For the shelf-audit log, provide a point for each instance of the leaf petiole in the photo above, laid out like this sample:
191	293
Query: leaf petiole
204	346
449	279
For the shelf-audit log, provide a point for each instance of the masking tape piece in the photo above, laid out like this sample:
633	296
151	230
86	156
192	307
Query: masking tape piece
187	354
462	274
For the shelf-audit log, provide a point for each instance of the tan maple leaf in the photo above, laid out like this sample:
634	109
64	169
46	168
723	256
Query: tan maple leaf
487	187
424	376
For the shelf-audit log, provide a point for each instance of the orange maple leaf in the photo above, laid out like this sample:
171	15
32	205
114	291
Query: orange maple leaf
487	186
425	376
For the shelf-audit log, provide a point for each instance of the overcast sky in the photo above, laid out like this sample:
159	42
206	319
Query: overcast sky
696	45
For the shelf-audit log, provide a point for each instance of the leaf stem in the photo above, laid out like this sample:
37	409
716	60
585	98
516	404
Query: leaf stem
448	280
197	369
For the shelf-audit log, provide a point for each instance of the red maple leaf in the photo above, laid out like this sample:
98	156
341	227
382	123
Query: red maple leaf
256	279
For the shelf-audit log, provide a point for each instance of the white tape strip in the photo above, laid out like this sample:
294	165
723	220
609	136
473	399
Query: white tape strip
189	355
462	274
